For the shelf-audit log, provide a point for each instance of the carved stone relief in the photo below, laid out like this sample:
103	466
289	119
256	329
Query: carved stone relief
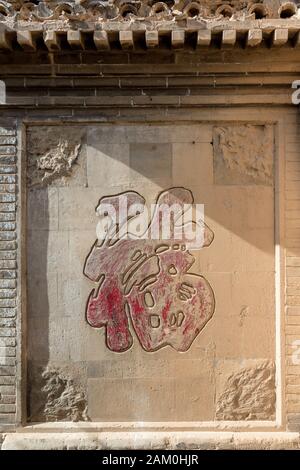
56	394
243	154
147	285
52	159
249	394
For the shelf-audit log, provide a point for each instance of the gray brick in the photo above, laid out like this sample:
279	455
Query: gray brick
7	352
7	283
7	226
7	408
7	312
7	322
7	302
7	131
10	179
8	169
41	82
8	264
7	207
7	389
7	236
8	399
7	159
7	216
7	379
7	150
9	245
7	274
6	197
7	361
8	341
7	140
7	332
7	418
7	293
8	255
7	370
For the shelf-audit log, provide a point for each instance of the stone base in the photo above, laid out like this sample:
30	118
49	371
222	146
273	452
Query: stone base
151	440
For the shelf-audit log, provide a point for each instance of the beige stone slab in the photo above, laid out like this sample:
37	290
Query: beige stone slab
42	295
150	161
253	294
253	339
217	257
254	251
196	156
130	366
260	216
138	364
77	209
72	295
42	209
217	202
38	338
68	339
149	133
222	286
194	399
96	348
131	399
46	251
107	164
80	243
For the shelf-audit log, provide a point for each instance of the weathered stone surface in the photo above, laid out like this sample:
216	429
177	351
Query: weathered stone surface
162	440
53	158
248	395
56	395
115	11
243	154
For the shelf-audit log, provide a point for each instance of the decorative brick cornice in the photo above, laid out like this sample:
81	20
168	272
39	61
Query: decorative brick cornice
127	24
138	10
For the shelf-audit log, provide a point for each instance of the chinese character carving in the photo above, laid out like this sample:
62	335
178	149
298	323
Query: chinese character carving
144	284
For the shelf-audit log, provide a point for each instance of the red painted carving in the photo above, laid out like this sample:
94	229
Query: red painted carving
146	283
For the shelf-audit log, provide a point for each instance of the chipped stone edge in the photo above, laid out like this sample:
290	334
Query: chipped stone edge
151	441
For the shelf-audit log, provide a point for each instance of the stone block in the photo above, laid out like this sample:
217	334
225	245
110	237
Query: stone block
150	161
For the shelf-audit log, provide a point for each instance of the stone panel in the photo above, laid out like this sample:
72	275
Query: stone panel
134	380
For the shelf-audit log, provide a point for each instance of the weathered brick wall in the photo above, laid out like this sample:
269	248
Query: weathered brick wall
292	221
8	273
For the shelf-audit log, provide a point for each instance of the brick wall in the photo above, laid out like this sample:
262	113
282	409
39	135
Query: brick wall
292	222
8	274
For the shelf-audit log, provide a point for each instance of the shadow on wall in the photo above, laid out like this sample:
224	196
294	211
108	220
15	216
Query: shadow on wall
228	168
